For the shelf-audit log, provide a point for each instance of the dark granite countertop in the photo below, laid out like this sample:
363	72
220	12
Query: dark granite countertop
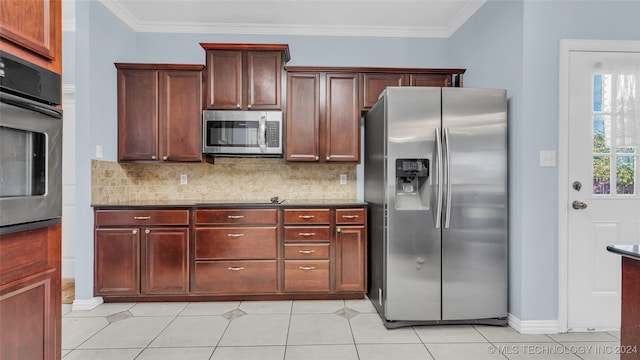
230	203
630	251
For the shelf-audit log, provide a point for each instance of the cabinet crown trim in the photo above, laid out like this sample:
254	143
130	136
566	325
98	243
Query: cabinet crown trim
250	47
375	70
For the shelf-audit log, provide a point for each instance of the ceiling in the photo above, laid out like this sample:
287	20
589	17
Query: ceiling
388	18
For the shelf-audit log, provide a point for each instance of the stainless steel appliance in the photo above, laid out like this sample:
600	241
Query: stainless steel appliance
30	142
435	178
242	133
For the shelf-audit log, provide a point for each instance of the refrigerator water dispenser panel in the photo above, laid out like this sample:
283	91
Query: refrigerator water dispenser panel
411	184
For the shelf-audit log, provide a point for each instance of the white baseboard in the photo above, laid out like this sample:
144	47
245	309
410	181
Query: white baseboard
90	304
533	326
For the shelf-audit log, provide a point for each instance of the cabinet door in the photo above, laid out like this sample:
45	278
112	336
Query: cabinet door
374	84
303	117
264	78
117	261
181	115
224	80
350	258
137	115
28	316
33	27
430	79
166	261
342	118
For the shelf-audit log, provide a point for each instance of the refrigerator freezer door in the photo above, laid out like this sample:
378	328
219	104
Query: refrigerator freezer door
474	247
413	242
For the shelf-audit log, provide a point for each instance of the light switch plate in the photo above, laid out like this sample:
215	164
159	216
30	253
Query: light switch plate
547	158
98	151
183	179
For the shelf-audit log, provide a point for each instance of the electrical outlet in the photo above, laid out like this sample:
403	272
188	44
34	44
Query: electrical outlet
343	179
98	151
183	179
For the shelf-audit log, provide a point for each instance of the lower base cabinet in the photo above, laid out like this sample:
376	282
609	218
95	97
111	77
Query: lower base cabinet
245	253
30	301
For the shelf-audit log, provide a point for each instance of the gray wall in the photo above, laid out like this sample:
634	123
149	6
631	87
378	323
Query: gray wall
507	44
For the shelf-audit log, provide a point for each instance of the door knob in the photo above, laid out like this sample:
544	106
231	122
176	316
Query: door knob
577	185
578	205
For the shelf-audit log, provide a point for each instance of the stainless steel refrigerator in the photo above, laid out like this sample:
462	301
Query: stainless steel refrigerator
435	178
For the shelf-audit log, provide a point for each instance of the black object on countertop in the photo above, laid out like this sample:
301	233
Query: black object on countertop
630	251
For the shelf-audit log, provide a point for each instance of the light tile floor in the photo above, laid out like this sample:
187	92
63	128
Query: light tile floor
300	330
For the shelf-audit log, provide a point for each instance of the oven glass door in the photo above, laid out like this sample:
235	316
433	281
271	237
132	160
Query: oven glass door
23	155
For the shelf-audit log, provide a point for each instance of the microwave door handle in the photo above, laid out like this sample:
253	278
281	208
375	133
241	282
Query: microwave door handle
262	134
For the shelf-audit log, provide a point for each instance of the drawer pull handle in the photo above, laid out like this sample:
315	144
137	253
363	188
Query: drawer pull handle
349	216
307	234
306	251
235	235
142	217
306	217
235	216
236	268
307	268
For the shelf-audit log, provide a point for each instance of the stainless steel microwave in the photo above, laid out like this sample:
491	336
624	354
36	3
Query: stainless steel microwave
242	133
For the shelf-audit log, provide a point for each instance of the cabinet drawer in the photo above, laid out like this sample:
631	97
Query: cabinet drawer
232	277
306	216
301	275
142	217
306	251
236	243
307	233
350	216
236	216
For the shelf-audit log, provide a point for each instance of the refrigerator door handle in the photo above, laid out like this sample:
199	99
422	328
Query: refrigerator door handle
437	209
447	175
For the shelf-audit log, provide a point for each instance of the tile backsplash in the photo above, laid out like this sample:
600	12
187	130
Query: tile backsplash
228	179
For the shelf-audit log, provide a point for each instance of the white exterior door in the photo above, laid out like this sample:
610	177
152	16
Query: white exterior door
603	192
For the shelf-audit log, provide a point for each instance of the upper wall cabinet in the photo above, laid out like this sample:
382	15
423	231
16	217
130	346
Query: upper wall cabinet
375	80
159	113
244	76
32	30
323	115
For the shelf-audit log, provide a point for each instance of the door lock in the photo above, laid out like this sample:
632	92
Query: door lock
577	185
578	205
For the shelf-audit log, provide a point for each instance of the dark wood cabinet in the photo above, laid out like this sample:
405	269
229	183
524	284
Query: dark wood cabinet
32	30
323	116
117	261
375	80
30	301
159	113
141	252
351	250
236	251
244	76
268	253
307	256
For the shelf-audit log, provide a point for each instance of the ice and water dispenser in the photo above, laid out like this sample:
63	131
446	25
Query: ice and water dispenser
412	186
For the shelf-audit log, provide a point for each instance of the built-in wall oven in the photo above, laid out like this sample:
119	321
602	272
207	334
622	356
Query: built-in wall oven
30	143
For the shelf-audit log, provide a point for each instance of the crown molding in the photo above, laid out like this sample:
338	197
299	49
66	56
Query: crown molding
290	29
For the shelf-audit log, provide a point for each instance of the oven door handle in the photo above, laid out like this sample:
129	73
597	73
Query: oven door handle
31	105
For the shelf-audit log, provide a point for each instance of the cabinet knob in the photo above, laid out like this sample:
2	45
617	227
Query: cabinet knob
153	157
237	106
134	231
164	158
339	229
146	231
328	158
249	106
317	158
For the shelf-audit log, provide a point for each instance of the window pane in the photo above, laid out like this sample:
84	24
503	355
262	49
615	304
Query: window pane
600	145
597	93
625	175
601	175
